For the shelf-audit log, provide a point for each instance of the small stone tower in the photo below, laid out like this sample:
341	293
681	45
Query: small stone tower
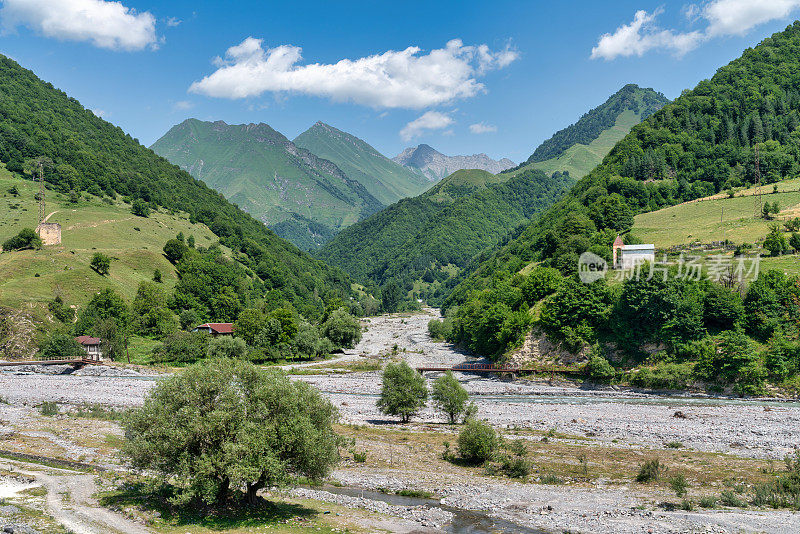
615	248
50	233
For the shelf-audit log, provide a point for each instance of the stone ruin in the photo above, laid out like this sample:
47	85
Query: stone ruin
50	233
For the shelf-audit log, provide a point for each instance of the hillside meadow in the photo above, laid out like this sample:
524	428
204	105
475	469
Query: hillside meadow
88	226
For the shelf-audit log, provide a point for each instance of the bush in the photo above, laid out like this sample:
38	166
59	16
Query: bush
223	425
183	347
403	393
477	442
360	457
440	329
49	409
61	311
679	484
650	471
100	263
174	250
342	329
226	347
140	208
516	467
598	369
450	397
61	346
25	239
664	376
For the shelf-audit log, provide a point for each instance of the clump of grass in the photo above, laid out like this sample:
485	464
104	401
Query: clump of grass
96	411
419	494
517	447
49	409
515	467
360	456
650	471
784	491
709	501
679	484
551	479
729	498
674	445
687	505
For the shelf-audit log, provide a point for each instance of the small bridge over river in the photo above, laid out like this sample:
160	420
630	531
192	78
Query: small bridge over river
81	362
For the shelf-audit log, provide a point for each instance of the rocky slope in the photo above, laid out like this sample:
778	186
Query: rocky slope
429	162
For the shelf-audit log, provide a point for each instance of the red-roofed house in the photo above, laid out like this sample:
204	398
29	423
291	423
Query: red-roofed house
215	329
92	347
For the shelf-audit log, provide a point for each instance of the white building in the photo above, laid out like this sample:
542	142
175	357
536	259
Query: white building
629	256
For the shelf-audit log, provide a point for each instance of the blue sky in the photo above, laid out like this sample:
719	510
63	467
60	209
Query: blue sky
543	64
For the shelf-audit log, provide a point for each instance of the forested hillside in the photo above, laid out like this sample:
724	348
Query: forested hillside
92	155
431	237
579	148
702	143
383	178
266	175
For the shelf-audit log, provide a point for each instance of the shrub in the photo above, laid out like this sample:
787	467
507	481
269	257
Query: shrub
61	311
598	369
650	471
49	409
157	276
664	376
174	250
708	501
440	329
140	208
100	263
226	347
450	397
729	498
403	393
183	347
61	346
679	484
25	239
222	425
516	467
551	479
360	457
477	442
674	445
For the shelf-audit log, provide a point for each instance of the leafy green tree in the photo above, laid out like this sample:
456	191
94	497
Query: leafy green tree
403	393
287	319
25	239
184	347
775	242
794	241
541	282
226	347
140	208
105	305
188	319
450	397
151	316
114	340
309	342
342	329
392	295
598	369
61	346
477	442
248	325
723	308
768	303
224	425
61	311
157	276
100	263
174	250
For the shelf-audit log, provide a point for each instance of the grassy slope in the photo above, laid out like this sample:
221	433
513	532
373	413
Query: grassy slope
383	178
579	159
716	218
87	227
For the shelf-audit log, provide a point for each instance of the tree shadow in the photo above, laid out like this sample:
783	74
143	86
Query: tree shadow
235	513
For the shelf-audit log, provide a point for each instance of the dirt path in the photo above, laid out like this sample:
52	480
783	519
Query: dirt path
70	501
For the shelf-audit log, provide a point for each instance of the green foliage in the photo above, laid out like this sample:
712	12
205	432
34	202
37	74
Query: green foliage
540	283
342	329
25	239
650	471
182	347
174	250
675	376
226	347
150	314
104	305
450	397
403	393
477	442
157	276
248	325
49	409
775	242
440	329
598	369
61	346
679	484
61	311
140	208
224	425
100	263
735	361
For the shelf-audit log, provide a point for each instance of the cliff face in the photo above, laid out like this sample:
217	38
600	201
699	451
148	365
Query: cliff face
431	163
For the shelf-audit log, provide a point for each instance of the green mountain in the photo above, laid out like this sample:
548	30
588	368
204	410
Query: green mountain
430	238
383	178
702	143
579	148
269	177
92	155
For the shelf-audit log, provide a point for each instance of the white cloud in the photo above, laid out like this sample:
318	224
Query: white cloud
723	17
182	105
393	79
99	112
737	17
173	21
481	128
641	36
104	24
430	120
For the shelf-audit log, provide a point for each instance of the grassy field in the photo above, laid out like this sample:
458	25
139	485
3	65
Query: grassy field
580	159
716	218
91	225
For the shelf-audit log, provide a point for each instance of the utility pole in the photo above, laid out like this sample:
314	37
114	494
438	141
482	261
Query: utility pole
41	193
757	196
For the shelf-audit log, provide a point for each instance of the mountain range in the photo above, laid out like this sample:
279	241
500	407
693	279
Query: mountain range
434	165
